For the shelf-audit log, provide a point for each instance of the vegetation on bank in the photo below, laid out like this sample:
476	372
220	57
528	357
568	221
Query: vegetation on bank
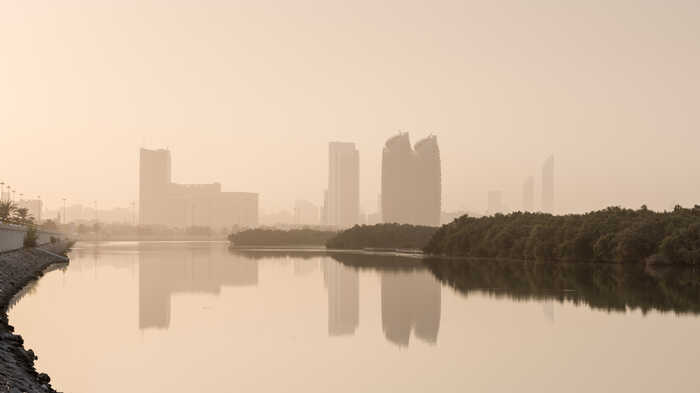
277	237
10	213
389	236
610	235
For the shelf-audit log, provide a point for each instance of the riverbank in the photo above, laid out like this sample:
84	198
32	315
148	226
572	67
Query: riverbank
17	269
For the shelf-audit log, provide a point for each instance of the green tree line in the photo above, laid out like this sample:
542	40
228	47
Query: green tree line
276	237
610	235
391	236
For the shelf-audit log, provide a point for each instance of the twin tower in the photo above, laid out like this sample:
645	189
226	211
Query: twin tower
411	190
411	181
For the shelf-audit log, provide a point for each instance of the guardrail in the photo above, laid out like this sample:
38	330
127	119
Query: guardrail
12	236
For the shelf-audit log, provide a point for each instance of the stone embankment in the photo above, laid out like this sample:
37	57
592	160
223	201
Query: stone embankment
17	269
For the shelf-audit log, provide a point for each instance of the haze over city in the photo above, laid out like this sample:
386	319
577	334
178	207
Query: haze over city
349	196
250	94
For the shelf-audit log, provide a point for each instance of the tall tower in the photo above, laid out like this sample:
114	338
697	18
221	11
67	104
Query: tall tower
429	182
343	200
529	194
398	180
154	180
548	185
411	181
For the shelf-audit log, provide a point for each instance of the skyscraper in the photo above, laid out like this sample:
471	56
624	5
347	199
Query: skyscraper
342	207
154	180
398	180
548	185
529	194
429	182
411	181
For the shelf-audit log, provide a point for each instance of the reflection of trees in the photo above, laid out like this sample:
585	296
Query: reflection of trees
600	286
277	253
388	262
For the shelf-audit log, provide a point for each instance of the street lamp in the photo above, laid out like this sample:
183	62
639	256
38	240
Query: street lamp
64	211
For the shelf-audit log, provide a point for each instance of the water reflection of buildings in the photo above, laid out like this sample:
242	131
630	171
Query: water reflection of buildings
164	271
410	296
410	301
343	286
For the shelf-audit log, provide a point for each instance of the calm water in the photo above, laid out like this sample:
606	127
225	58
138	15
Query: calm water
196	317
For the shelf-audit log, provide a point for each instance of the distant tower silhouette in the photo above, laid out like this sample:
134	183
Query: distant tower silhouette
429	182
411	181
154	181
529	194
398	180
495	201
548	185
343	198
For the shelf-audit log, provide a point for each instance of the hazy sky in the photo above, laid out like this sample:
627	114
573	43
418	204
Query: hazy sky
250	93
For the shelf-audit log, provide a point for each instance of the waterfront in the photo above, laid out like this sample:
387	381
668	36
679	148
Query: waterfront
196	316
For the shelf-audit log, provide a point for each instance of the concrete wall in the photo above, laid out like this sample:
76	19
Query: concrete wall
12	237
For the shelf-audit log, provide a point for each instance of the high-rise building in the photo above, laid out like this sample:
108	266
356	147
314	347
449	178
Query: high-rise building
398	180
154	181
429	182
529	194
411	181
342	208
548	185
162	202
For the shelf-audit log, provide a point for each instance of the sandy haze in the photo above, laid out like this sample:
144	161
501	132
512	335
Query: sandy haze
250	93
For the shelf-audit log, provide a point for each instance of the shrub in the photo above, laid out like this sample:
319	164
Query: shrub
31	237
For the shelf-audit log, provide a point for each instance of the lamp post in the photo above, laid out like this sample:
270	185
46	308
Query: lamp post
64	211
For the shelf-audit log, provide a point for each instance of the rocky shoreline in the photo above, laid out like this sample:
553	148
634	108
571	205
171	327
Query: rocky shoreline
17	269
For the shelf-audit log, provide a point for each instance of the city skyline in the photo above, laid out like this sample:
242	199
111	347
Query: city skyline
623	130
